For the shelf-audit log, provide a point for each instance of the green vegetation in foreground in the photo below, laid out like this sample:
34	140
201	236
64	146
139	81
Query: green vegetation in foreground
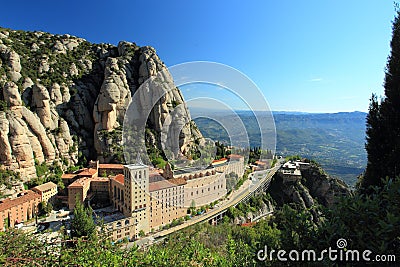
366	222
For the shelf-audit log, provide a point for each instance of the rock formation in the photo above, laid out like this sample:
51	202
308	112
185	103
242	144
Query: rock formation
64	99
313	186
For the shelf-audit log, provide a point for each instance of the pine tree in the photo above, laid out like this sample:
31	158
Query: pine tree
82	224
383	121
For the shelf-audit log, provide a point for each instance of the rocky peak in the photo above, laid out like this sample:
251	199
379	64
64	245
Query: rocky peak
64	99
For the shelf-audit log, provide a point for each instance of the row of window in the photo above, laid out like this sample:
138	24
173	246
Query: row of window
202	190
180	198
202	185
173	189
140	206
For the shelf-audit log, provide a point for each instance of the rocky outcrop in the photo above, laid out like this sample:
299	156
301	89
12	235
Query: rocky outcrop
11	94
266	209
322	187
313	186
41	103
64	100
12	60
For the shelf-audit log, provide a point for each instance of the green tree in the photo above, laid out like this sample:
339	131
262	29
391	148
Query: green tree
42	208
192	208
141	233
367	222
49	207
383	121
82	224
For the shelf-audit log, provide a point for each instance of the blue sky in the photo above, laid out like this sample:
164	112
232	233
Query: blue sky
311	55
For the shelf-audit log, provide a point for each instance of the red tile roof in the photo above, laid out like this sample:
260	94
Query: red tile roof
86	180
235	156
68	176
178	181
110	166
155	171
216	161
28	196
119	178
163	184
45	186
78	183
155	175
87	171
98	179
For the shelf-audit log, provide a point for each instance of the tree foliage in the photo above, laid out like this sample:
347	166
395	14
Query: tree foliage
367	222
383	121
82	223
44	208
8	177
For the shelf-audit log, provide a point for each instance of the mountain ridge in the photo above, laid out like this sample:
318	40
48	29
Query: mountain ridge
63	100
335	140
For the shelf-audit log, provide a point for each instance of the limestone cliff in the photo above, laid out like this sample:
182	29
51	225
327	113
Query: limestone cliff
64	99
313	186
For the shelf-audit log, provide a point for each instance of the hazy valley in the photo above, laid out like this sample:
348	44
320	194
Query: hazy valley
335	140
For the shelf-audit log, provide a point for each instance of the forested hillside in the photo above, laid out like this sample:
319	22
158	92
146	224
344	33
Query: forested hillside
335	140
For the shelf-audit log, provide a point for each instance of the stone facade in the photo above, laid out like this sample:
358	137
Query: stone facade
85	189
20	209
47	191
205	189
167	201
117	190
234	163
122	228
137	197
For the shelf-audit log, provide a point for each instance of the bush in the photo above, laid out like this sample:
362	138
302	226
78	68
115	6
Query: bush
141	233
3	105
41	169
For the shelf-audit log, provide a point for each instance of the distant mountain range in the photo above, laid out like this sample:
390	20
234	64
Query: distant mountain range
336	140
